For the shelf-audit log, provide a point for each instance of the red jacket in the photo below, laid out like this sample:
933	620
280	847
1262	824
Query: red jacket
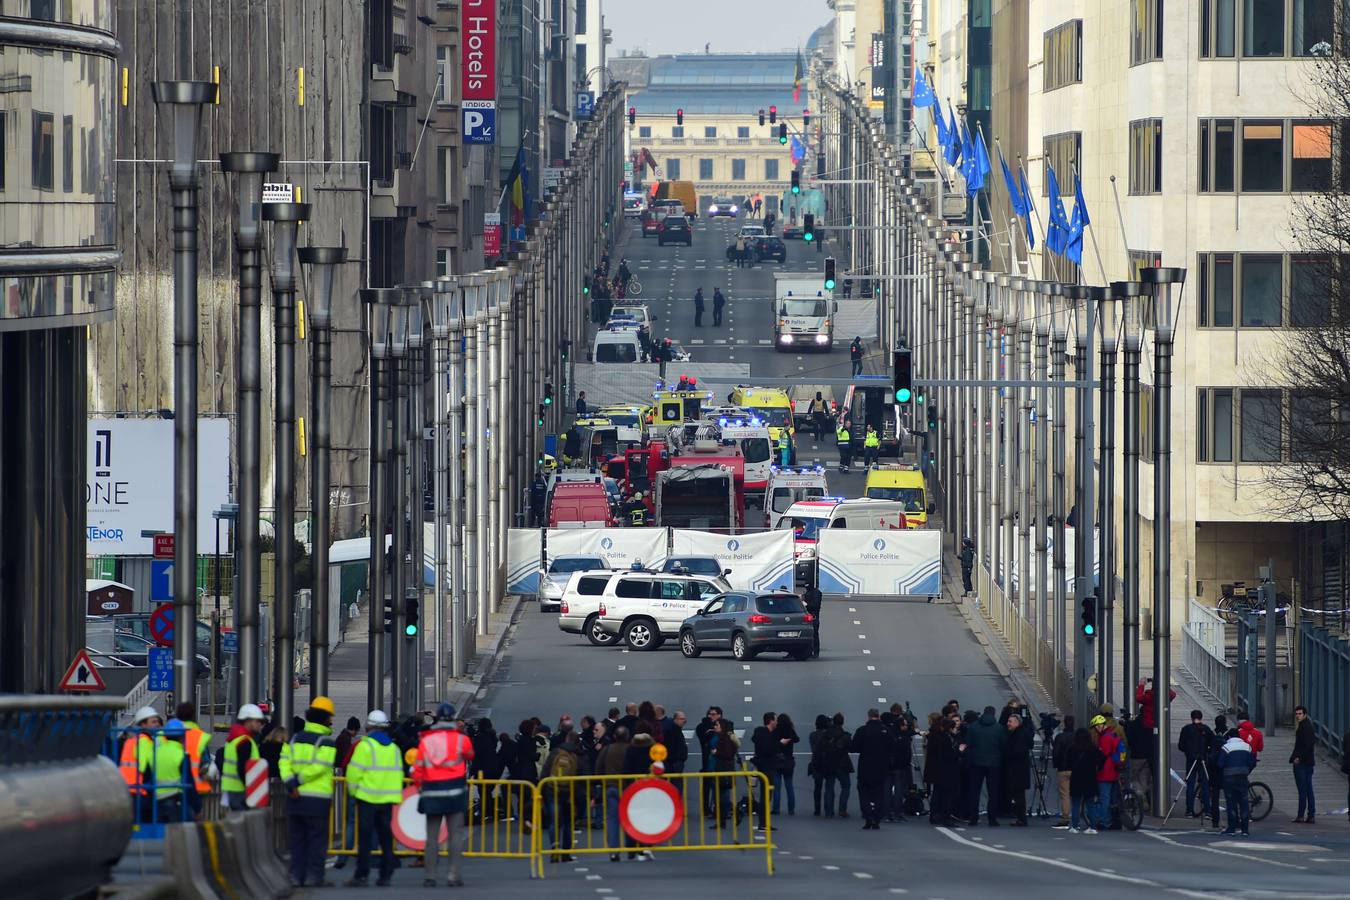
1107	742
1144	697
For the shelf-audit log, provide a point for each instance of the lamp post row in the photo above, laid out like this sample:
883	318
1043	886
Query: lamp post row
994	479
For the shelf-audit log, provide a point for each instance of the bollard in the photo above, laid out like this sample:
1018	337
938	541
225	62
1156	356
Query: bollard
237	862
265	860
183	859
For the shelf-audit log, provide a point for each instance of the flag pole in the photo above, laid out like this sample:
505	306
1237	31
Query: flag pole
1014	220
989	234
1121	216
1051	265
1078	190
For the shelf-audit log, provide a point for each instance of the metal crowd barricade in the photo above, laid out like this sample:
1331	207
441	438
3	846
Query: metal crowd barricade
149	813
720	813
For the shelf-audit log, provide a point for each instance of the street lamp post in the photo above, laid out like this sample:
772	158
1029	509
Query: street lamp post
379	302
1159	282
186	99
322	263
398	496
1024	394
472	425
285	219
416	504
1084	320
442	308
1129	569
1059	339
250	168
1040	298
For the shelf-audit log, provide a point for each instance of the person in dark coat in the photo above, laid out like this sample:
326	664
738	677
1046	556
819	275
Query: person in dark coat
787	764
942	770
1085	759
901	776
1303	759
1016	772
1213	771
719	301
816	768
698	308
967	564
766	756
840	768
984	741
813	600
1194	742
874	743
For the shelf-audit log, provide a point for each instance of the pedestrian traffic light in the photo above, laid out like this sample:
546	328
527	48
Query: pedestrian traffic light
782	132
918	397
820	165
809	227
539	420
829	273
806	119
632	115
761	117
1089	617
796	181
932	417
548	394
773	115
410	610
679	116
902	374
586	287
388	616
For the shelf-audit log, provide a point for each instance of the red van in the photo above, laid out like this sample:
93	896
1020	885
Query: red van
579	505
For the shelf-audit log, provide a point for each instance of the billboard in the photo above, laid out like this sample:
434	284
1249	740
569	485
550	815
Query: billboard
478	71
129	482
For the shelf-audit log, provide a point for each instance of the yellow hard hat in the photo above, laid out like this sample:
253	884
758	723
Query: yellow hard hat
323	703
411	756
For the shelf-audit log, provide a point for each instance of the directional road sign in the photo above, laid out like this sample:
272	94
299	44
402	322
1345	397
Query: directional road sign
161	579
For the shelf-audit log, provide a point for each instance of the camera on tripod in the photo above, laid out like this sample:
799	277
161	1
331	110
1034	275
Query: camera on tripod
1049	722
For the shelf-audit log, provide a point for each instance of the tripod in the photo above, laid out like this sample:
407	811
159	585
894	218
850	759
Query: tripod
1041	767
1204	778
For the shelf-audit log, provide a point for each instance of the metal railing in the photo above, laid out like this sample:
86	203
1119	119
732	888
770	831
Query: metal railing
1324	660
1038	656
1203	654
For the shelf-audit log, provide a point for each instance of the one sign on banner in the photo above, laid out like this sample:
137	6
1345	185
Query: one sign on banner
278	192
478	35
161	579
82	675
159	668
229	642
410	826
257	789
552	177
492	234
161	624
479	121
163	547
651	810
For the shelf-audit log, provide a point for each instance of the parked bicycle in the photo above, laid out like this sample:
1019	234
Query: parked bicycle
1130	805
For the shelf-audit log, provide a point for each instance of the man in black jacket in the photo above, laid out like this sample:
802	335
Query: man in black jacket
1016	771
1303	759
765	758
1194	742
875	744
1059	757
900	778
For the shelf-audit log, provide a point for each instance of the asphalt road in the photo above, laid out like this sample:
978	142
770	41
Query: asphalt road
874	652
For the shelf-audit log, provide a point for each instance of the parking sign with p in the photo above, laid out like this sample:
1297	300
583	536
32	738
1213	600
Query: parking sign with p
479	121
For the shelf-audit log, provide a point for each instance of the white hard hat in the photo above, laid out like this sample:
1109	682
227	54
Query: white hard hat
145	712
377	719
250	711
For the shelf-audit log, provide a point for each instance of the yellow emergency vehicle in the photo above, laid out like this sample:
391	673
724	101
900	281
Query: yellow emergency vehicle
904	484
773	407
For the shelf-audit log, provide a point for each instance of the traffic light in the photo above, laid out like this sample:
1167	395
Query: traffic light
796	182
820	165
548	393
1089	616
782	132
829	275
932	417
632	115
773	115
806	119
902	375
761	117
809	227
586	286
539	419
410	610
679	117
388	616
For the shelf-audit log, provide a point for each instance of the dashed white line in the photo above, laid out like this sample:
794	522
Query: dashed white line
867	652
856	622
748	699
863	875
747	681
862	637
876	684
618	684
830	868
871	668
613	699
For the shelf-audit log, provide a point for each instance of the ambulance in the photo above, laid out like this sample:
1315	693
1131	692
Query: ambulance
903	484
808	518
787	486
772	407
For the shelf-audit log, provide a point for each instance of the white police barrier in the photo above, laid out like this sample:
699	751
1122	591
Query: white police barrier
892	562
524	555
1070	544
620	547
758	562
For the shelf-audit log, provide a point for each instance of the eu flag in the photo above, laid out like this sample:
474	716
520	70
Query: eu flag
1077	225
1014	194
954	144
1057	233
923	94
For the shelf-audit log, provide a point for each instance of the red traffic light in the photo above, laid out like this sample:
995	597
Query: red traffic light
679	116
632	115
773	109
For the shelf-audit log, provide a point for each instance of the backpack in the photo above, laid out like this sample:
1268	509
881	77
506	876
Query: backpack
1120	755
913	801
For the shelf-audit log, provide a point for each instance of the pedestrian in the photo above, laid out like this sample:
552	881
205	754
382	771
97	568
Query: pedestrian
848	288
1139	740
1194	742
855	356
1113	755
871	446
765	759
1016	773
843	437
1085	761
839	767
136	756
1143	695
581	405
787	764
813	600
1236	759
942	771
698	308
375	781
241	747
637	762
759	204
740	251
171	775
703	734
769	219
784	448
719	301
488	764
1303	759
1213	771
196	742
900	779
817	767
441	774
873	742
609	763
820	415
306	768
1060	758
717	791
564	762
983	748
677	746
967	564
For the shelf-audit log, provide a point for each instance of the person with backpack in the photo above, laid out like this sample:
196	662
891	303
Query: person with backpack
1237	758
1114	756
838	767
1085	760
563	761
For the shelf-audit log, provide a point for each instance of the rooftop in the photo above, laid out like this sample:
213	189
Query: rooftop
719	84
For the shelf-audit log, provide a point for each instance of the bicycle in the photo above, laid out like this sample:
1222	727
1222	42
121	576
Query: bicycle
1130	806
1260	799
633	288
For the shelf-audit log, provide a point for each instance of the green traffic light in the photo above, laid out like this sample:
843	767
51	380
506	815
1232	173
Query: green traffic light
829	284
809	236
782	140
902	395
1090	630
548	401
796	189
920	400
410	630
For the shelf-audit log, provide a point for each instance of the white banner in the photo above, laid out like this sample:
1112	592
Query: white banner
620	547
1070	545
129	482
524	555
758	562
900	562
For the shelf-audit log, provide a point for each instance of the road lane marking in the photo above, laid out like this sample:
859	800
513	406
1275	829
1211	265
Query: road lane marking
863	875
613	699
876	684
748	699
871	668
856	622
830	868
867	652
1029	857
1208	849
862	637
747	680
618	684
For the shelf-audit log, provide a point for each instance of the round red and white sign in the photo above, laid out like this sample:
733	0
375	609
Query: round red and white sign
410	826
651	810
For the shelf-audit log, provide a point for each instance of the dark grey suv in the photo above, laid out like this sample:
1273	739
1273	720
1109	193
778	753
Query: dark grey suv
747	624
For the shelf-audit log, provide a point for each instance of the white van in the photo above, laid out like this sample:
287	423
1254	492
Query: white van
788	486
616	345
807	518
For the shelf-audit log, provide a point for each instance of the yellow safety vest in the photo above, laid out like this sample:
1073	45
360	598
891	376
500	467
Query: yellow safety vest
872	440
169	778
307	762
375	773
842	436
232	779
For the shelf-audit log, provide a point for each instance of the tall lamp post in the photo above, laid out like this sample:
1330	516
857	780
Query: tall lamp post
378	303
1159	282
412	631
250	169
1108	311
186	99
322	263
442	308
285	219
1129	546
398	497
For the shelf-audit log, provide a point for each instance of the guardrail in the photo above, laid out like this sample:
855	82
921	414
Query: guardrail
1325	682
1038	656
1203	640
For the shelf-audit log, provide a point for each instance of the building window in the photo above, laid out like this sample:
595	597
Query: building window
1216	290
1263	27
1146	156
770	170
1313	281
1146	431
442	262
1268	290
743	131
1214	423
44	151
1268	28
644	131
1313	30
4	146
738	170
672	170
1262	156
1063	55
677	131
581	16
1259	426
710	131
1062	151
444	71
1216	155
1146	31
1310	156
68	154
1260	291
381	143
705	170
380	20
1312	425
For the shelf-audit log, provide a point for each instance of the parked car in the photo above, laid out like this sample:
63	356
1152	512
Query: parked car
748	624
560	568
580	606
139	624
644	609
133	648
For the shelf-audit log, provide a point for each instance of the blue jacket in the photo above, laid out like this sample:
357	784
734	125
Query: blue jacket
1236	758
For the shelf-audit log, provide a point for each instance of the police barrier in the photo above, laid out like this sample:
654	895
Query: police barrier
758	562
701	811
891	562
159	796
620	547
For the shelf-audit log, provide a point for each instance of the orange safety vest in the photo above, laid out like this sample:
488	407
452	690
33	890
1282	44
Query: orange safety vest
195	742
129	764
443	754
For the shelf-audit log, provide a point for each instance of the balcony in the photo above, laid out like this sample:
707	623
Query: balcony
399	84
391	199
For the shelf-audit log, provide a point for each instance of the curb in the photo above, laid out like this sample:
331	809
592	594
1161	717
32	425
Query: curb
468	691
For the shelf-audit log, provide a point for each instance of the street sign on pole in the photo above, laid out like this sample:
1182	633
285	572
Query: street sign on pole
159	668
82	675
651	810
163	546
229	642
161	624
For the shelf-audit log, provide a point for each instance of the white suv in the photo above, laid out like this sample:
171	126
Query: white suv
580	606
644	609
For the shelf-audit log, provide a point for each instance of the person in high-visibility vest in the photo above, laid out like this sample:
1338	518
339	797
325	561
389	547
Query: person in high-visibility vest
844	436
197	743
307	771
137	755
241	747
441	774
784	448
871	446
636	510
172	774
375	779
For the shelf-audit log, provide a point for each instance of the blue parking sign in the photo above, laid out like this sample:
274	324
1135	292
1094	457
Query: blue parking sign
479	122
229	642
161	579
159	665
585	104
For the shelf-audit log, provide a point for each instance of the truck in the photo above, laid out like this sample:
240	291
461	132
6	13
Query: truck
874	404
803	313
697	496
